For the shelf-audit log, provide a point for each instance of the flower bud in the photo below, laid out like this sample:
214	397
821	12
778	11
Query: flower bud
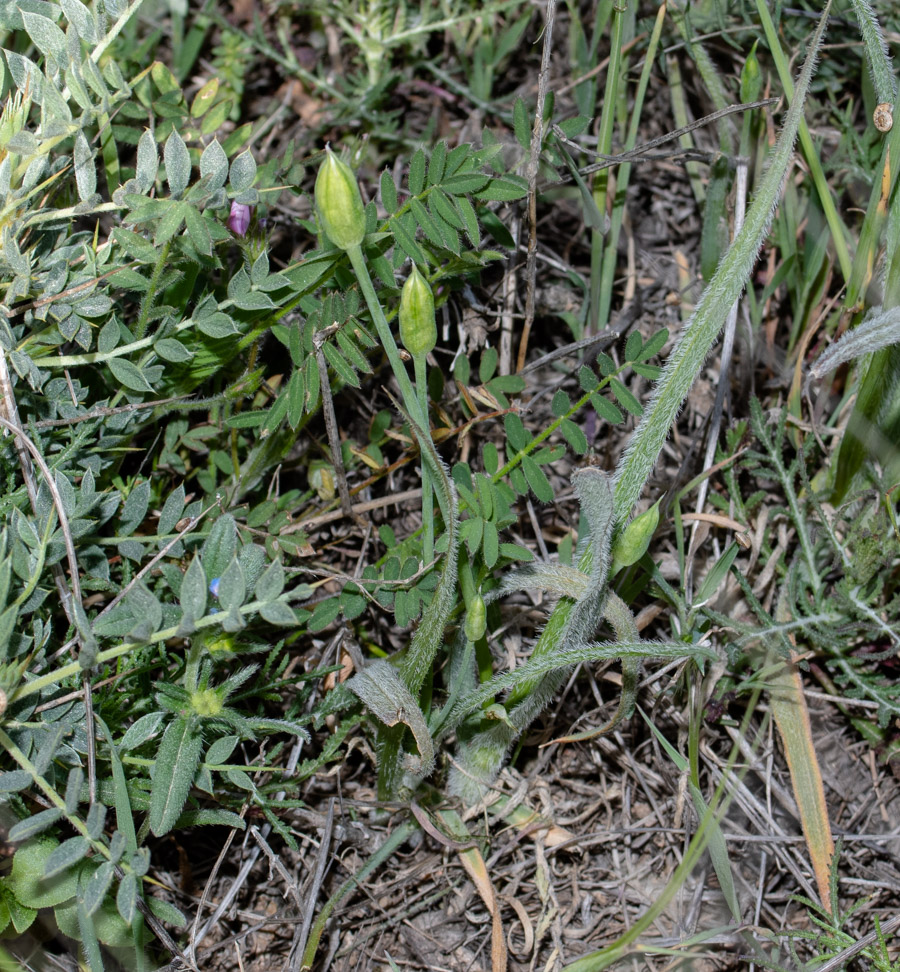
751	77
339	204
418	329
632	542
239	219
476	618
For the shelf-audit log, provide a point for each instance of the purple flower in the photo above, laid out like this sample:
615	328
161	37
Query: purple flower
239	219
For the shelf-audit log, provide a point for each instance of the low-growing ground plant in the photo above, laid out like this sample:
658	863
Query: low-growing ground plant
169	387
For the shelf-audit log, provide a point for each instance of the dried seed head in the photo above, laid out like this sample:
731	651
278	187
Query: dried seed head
339	204
883	117
418	328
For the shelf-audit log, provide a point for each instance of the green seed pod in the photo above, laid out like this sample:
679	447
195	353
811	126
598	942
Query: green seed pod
632	542
751	78
418	329
339	204
476	618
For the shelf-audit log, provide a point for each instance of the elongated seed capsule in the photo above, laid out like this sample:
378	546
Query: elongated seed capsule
476	618
418	328
339	204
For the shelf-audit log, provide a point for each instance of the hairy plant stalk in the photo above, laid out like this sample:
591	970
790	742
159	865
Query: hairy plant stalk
565	626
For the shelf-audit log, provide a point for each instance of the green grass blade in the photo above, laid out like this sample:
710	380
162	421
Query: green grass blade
838	231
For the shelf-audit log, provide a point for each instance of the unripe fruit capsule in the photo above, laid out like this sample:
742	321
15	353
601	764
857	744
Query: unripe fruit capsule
476	618
339	204
418	328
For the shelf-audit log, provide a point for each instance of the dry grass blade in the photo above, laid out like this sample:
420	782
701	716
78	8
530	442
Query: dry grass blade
792	718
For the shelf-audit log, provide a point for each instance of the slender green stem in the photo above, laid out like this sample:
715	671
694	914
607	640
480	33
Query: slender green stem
604	147
140	328
623	176
384	853
806	144
419	365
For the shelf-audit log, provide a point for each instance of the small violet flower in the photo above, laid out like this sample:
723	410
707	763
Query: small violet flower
239	219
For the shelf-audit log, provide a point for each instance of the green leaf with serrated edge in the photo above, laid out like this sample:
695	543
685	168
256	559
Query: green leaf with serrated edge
243	172
296	397
85	170
232	586
490	544
606	409
352	352
441	205
128	375
471	531
522	124
502	189
465	182
126	898
436	163
194	590
220	750
214	165
560	404
143	728
278	613
646	371
389	192
271	582
424	220
537	480
64	858
176	764
574	436
97	886
587	379
512	551
171	512
625	398
653	345
324	614
178	164
167	912
14	781
470	219
515	431
220	546
488	364
73	789
34	825
172	350
340	364
633	346
124	816
416	179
